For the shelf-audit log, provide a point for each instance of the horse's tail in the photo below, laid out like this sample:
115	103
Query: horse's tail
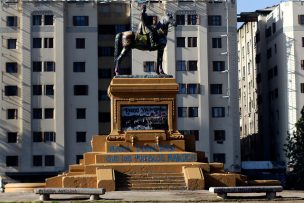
118	45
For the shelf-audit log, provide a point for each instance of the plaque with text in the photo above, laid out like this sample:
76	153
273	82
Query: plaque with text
152	117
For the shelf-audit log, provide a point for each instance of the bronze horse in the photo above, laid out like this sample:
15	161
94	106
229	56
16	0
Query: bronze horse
125	41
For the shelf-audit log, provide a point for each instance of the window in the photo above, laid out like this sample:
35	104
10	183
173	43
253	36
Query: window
11	161
37	89
302	41
302	87
49	160
48	20
80	20
302	64
216	42
37	113
192	41
78	158
49	136
193	88
37	136
182	89
219	157
218	112
219	136
216	89
258	58
106	51
37	160
268	32
182	112
269	53
218	66
79	67
195	133
49	66
36	19
180	19
80	43
274	27
192	65
180	42
121	28
81	113
190	132
104	73
301	19
276	93
12	114
181	66
37	43
270	74
81	136
11	67
48	43
103	95
193	20
49	113
11	90
104	117
49	90
275	71
12	137
193	111
80	90
37	66
11	43
149	66
214	20
11	21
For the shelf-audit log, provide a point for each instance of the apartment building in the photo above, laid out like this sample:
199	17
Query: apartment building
279	44
201	54
49	84
57	61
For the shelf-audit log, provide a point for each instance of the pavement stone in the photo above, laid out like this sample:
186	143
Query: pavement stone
179	196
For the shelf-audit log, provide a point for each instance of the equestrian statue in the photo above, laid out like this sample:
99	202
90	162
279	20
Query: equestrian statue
149	36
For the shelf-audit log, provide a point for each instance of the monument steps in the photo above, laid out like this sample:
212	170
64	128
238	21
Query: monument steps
150	181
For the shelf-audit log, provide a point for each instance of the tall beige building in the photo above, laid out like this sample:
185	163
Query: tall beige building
56	62
279	62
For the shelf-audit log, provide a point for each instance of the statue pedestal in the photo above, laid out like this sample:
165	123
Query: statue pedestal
144	150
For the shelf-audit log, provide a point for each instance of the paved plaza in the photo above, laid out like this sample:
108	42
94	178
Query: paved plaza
157	196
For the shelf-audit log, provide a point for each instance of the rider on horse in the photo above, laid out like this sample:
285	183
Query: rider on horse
147	28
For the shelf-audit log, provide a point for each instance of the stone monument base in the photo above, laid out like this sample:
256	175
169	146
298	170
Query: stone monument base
144	150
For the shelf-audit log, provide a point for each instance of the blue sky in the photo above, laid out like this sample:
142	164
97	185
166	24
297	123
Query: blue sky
252	5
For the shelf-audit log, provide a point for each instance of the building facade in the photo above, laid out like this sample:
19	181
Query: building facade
57	61
279	74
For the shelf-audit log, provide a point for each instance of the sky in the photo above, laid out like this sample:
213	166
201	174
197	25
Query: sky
252	5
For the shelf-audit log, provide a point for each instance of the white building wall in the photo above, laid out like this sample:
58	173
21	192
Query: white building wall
64	122
204	75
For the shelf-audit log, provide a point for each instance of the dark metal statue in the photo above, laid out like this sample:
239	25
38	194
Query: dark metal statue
150	36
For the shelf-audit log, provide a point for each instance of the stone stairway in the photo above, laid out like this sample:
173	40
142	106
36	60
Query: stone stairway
150	181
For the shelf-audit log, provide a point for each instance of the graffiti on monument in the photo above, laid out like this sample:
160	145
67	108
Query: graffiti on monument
144	117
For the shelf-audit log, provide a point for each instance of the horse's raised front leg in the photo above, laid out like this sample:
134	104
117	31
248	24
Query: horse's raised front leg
119	58
159	65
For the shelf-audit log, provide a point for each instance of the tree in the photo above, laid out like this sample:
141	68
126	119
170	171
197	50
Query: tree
294	149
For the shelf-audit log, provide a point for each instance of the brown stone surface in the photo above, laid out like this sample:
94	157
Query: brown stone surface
194	178
106	179
216	167
22	187
95	143
55	181
220	180
83	181
264	183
